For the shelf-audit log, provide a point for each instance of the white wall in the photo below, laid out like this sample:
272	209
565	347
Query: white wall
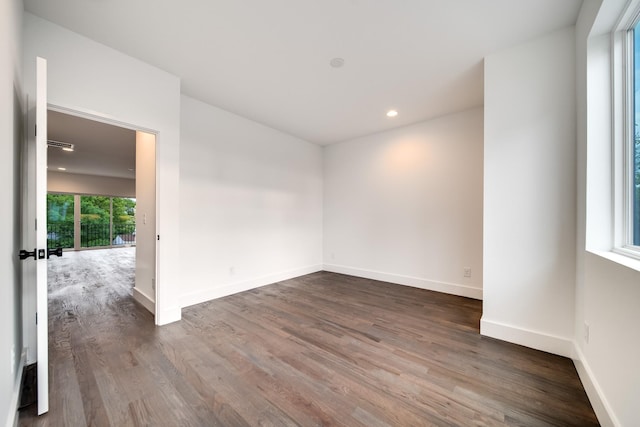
11	138
250	204
144	290
91	78
405	205
608	362
607	290
530	194
61	182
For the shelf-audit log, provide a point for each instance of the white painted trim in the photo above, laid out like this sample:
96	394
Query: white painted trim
42	327
12	416
145	300
234	288
170	315
432	285
96	117
618	257
528	338
598	399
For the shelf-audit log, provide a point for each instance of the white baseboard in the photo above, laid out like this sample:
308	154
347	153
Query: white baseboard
528	338
145	300
12	416
599	402
163	317
170	315
198	297
431	285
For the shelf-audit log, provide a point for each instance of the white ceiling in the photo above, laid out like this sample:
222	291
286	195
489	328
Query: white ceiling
268	60
100	149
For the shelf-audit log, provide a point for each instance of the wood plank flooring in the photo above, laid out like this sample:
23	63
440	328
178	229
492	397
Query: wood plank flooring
320	350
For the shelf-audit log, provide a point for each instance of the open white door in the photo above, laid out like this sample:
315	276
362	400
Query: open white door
34	252
42	315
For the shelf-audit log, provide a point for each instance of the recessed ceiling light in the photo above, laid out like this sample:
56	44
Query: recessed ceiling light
67	149
62	169
336	62
392	113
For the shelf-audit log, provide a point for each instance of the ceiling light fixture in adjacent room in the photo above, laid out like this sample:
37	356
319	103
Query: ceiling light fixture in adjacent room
62	169
64	145
392	113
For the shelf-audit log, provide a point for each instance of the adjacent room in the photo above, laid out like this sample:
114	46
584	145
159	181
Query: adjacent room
347	213
100	198
91	184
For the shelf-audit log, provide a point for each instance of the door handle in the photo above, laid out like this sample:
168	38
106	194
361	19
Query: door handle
55	251
27	254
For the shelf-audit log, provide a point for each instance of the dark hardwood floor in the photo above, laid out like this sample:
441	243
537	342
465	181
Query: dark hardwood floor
323	349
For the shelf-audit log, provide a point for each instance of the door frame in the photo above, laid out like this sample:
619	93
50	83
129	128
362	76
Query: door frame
102	118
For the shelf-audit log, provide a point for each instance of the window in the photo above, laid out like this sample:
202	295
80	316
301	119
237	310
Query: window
77	222
626	153
630	147
633	147
611	126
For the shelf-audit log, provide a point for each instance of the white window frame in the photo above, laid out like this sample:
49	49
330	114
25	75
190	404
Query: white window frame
624	131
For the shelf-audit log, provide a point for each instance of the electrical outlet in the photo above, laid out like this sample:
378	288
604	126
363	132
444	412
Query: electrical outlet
467	272
586	332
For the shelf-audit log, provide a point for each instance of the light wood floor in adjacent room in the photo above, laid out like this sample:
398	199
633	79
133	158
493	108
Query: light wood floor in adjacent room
323	349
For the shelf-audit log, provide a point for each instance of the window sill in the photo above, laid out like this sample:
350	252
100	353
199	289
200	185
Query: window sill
619	258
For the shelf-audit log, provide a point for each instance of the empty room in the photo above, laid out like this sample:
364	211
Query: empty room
389	213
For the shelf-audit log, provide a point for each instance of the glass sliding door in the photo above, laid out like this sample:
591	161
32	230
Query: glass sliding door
80	222
60	208
95	221
124	221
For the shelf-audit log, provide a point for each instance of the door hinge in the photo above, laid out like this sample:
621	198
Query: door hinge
36	317
158	237
35	130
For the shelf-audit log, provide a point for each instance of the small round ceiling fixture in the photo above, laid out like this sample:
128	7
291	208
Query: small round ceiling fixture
392	113
336	62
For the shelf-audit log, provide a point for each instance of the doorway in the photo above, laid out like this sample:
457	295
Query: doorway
103	175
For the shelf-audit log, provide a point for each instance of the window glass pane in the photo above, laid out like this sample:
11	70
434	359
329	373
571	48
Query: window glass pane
95	213
59	220
124	221
635	226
